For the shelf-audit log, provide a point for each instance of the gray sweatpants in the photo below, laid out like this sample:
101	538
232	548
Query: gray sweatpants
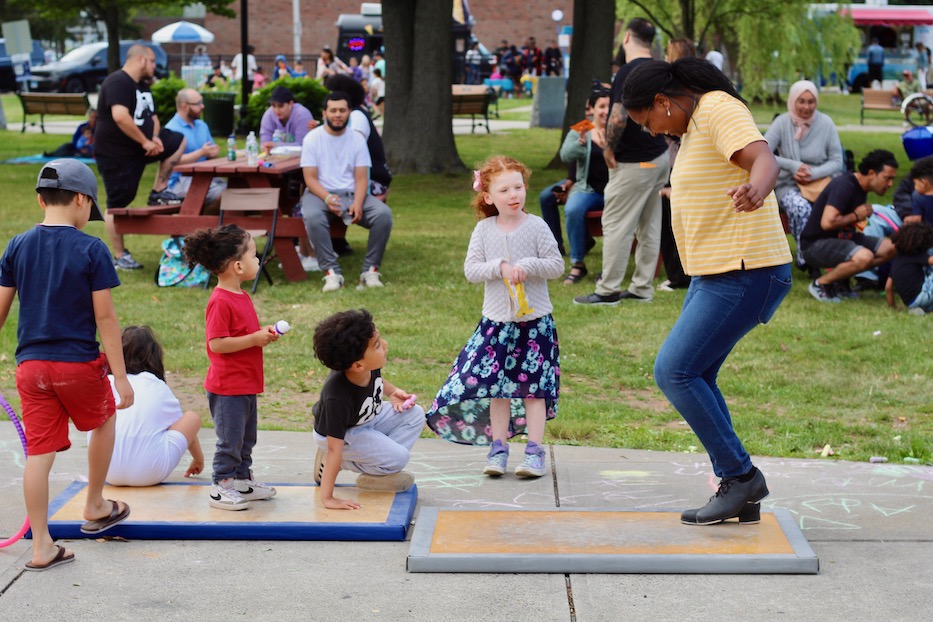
377	217
235	418
383	444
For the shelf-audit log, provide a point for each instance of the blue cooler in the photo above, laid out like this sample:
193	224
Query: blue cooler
918	142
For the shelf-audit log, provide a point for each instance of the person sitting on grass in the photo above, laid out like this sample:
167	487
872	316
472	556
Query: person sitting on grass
355	427
830	239
153	434
912	269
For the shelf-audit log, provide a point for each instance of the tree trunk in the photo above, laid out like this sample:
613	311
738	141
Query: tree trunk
418	132
590	57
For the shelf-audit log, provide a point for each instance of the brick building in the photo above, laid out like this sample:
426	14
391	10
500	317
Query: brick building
270	25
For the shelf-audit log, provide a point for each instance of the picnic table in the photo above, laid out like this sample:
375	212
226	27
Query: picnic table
167	220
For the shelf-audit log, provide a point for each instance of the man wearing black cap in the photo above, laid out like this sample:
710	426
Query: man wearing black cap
288	117
63	278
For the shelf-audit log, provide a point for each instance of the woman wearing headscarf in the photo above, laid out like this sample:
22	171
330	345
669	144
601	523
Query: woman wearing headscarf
809	153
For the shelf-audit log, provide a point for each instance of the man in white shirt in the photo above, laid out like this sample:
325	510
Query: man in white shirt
336	162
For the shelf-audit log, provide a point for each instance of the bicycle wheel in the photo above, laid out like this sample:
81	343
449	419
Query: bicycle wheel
918	109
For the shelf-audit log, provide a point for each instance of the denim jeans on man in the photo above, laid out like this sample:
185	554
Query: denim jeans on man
718	311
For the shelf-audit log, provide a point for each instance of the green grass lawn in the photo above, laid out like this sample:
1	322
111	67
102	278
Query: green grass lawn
855	375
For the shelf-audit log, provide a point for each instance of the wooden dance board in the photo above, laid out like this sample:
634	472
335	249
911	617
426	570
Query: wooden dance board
604	541
180	511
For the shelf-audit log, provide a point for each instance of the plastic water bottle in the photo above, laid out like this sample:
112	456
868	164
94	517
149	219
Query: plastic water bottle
231	147
277	138
252	150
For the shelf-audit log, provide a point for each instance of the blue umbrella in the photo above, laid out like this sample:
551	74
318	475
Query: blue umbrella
183	32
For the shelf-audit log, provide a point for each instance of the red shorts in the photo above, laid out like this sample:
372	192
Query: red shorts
51	392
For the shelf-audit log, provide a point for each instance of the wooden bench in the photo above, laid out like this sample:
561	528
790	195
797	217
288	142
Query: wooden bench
42	104
877	99
472	100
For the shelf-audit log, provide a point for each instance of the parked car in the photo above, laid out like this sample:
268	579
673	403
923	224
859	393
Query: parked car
7	75
84	68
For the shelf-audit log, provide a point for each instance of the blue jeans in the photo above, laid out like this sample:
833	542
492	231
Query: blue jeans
718	311
578	204
550	212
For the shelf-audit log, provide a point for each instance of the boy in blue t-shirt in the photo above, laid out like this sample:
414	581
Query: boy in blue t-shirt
922	197
63	278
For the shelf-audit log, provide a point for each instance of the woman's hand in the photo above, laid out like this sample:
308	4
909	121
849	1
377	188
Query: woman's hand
803	174
746	198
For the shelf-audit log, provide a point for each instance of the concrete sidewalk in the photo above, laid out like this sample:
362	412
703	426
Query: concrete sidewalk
868	523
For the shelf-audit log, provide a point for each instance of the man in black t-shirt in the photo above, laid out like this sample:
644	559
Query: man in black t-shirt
638	169
831	239
129	136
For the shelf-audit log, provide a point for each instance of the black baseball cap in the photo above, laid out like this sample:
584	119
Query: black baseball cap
70	174
281	95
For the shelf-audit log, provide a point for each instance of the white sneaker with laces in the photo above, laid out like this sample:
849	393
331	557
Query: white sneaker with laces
224	496
371	278
251	490
332	281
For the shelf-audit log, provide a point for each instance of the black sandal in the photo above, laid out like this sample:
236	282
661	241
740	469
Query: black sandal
577	272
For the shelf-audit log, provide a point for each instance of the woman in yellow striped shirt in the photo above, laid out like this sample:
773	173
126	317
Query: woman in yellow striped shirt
726	223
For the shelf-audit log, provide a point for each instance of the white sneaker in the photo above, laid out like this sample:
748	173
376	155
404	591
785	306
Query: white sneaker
370	278
251	490
224	496
665	286
309	264
332	281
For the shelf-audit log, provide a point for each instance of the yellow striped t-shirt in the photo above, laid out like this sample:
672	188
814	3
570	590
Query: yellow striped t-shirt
711	237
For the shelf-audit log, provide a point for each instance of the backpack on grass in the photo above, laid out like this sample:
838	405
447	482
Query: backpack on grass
173	269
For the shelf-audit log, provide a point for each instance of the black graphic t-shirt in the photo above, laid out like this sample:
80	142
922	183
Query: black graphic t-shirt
344	404
119	89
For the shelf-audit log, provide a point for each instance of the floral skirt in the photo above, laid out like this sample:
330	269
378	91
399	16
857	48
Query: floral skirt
513	360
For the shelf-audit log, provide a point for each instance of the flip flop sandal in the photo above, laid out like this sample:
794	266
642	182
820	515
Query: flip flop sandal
62	557
577	273
94	527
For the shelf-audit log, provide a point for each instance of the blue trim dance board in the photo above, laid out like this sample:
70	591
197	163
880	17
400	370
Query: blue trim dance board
295	513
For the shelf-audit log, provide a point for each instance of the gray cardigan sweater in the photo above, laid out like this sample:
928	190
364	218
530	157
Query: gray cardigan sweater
820	148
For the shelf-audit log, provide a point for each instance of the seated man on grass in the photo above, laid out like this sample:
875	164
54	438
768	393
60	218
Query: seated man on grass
830	239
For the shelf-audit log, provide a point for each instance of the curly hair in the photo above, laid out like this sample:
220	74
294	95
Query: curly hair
923	169
913	239
488	171
142	351
215	248
341	339
876	161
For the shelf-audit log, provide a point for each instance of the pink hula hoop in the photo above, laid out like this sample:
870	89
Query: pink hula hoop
22	437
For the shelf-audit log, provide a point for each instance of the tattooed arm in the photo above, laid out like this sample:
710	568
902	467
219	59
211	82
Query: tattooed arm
615	125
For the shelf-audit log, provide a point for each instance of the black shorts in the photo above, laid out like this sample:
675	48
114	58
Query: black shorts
830	252
121	175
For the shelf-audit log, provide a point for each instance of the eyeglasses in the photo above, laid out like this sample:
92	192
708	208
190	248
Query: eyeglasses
197	103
